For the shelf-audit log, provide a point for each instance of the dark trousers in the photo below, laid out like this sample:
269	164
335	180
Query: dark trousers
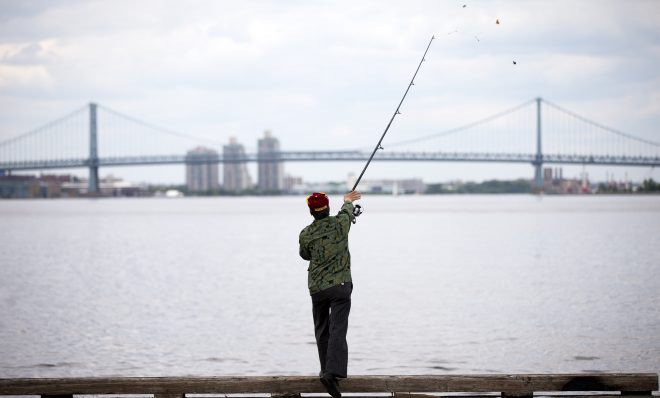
330	308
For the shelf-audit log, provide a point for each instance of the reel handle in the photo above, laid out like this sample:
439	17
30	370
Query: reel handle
357	210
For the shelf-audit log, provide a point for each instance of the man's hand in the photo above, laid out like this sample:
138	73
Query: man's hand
351	196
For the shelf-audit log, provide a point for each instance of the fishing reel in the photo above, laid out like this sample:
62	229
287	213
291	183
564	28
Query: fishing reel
357	210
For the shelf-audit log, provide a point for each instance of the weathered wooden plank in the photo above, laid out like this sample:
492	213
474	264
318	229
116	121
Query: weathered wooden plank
545	394
589	394
511	384
518	394
161	395
413	395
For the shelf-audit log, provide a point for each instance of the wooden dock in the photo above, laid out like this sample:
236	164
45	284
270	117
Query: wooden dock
601	385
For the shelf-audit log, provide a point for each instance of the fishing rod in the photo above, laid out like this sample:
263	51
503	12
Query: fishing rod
396	112
358	209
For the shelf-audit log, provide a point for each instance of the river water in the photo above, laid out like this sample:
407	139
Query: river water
443	284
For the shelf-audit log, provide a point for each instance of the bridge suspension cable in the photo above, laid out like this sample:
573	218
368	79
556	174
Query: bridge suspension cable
513	131
507	136
568	133
45	127
62	138
159	128
602	126
461	128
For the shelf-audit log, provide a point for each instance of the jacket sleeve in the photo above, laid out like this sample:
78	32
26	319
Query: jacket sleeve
345	216
303	250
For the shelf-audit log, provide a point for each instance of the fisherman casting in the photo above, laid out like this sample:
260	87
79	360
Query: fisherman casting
324	243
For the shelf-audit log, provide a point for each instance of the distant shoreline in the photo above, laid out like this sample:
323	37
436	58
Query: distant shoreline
608	194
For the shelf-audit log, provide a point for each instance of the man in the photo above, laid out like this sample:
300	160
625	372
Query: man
325	244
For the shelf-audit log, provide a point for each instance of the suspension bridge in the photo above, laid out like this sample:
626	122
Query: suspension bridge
536	132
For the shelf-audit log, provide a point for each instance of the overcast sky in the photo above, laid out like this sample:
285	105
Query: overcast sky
328	74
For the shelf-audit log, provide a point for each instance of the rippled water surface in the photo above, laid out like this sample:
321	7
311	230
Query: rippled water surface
443	284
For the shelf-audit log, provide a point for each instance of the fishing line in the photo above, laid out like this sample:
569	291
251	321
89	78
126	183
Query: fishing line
396	112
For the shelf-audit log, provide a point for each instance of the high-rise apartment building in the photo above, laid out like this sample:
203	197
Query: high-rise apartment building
271	171
235	173
202	170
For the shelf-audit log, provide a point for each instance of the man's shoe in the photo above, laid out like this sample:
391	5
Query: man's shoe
331	385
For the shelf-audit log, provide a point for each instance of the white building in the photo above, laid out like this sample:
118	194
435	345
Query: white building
388	186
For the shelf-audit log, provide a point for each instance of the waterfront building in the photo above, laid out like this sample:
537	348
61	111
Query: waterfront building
19	186
202	170
65	186
555	183
388	186
330	187
109	186
235	173
293	184
547	175
270	173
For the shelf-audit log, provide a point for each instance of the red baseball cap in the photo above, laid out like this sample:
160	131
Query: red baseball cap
318	201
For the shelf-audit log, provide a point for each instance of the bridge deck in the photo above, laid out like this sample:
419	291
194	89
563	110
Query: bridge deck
333	156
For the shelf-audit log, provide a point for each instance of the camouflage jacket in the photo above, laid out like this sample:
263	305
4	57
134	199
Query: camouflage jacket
325	244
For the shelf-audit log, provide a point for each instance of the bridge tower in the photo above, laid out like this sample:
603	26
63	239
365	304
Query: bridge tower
538	161
93	161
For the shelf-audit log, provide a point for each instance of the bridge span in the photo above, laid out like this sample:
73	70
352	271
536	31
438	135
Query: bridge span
95	136
341	156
